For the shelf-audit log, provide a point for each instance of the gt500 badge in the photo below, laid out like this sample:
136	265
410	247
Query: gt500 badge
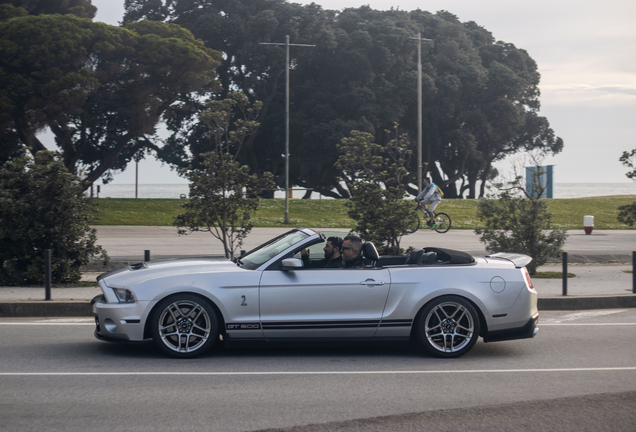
246	326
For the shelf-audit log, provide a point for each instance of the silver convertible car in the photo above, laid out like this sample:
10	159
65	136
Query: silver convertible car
443	299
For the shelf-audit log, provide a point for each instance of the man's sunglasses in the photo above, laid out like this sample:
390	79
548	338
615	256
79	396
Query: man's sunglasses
347	247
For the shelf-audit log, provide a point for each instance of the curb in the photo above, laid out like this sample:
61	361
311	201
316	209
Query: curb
24	309
587	302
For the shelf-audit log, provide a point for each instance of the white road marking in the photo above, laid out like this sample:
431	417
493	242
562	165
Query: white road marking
579	315
53	321
48	324
542	323
583	324
428	372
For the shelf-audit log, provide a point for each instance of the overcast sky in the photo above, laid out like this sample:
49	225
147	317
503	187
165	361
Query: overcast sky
586	53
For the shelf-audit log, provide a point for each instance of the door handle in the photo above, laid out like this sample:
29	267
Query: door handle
371	282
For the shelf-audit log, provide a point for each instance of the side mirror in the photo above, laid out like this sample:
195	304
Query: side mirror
291	264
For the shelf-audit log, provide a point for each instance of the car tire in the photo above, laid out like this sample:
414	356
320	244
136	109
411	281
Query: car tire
448	327
184	325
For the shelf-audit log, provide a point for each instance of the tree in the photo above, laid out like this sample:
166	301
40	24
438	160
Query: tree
223	193
79	8
629	160
480	96
41	207
235	28
101	90
519	221
375	175
627	213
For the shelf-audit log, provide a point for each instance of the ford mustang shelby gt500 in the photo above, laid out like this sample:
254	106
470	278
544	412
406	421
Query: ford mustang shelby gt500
444	299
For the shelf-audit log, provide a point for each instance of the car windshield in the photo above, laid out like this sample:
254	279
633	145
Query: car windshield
264	252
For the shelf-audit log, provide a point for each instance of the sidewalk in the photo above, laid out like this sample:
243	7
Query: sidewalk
599	261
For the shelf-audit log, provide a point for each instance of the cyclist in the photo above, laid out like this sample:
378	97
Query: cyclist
429	195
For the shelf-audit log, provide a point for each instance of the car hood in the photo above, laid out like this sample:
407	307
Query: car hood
136	273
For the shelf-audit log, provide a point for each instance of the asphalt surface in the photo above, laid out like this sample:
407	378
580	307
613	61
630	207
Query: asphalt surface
578	374
601	263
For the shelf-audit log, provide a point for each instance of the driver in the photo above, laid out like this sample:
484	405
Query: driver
332	257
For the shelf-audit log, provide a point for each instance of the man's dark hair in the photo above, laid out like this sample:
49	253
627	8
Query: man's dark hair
356	241
336	242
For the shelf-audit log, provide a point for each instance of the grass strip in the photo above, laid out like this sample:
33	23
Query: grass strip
329	213
551	275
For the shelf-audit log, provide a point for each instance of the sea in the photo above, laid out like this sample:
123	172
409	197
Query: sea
560	190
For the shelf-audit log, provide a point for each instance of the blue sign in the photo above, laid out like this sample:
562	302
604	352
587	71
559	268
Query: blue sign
539	181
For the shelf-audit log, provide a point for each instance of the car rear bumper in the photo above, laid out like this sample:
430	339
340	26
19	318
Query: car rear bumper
527	331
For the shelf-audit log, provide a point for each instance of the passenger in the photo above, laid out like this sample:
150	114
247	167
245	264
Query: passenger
351	253
332	258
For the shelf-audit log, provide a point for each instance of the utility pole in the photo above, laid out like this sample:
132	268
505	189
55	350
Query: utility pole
419	40
136	173
287	45
137	157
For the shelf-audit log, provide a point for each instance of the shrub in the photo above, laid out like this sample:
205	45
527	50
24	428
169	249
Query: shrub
517	221
41	207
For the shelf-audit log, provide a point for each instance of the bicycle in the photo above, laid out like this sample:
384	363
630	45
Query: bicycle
442	220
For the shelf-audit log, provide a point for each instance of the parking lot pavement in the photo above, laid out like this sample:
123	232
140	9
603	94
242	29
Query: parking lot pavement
130	242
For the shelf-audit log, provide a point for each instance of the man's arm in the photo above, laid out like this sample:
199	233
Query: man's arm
425	194
304	255
420	197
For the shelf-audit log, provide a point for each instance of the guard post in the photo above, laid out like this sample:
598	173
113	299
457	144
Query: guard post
47	274
565	273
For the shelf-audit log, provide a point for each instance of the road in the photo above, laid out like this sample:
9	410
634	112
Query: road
128	243
579	374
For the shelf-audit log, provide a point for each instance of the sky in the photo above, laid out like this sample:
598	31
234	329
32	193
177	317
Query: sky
586	54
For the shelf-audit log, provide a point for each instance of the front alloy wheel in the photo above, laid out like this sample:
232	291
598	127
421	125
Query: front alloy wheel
184	325
448	327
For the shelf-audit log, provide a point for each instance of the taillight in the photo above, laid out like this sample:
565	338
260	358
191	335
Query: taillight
526	276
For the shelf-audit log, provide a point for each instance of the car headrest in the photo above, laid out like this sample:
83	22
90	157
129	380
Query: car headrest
370	252
427	258
415	256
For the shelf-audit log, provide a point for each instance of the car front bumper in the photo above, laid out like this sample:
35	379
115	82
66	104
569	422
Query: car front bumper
118	321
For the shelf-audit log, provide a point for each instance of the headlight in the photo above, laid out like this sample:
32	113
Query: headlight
124	295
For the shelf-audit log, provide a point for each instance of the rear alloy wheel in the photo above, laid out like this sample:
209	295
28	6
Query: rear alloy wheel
184	325
443	222
448	327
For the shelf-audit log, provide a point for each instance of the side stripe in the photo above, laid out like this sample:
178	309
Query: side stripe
310	325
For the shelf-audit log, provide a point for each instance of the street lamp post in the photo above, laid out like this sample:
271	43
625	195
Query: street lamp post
287	45
419	40
136	173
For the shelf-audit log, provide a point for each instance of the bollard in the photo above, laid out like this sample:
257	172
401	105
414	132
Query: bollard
565	273
633	272
588	224
146	255
47	274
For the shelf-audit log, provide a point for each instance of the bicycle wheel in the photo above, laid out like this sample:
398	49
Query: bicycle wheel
443	222
415	225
